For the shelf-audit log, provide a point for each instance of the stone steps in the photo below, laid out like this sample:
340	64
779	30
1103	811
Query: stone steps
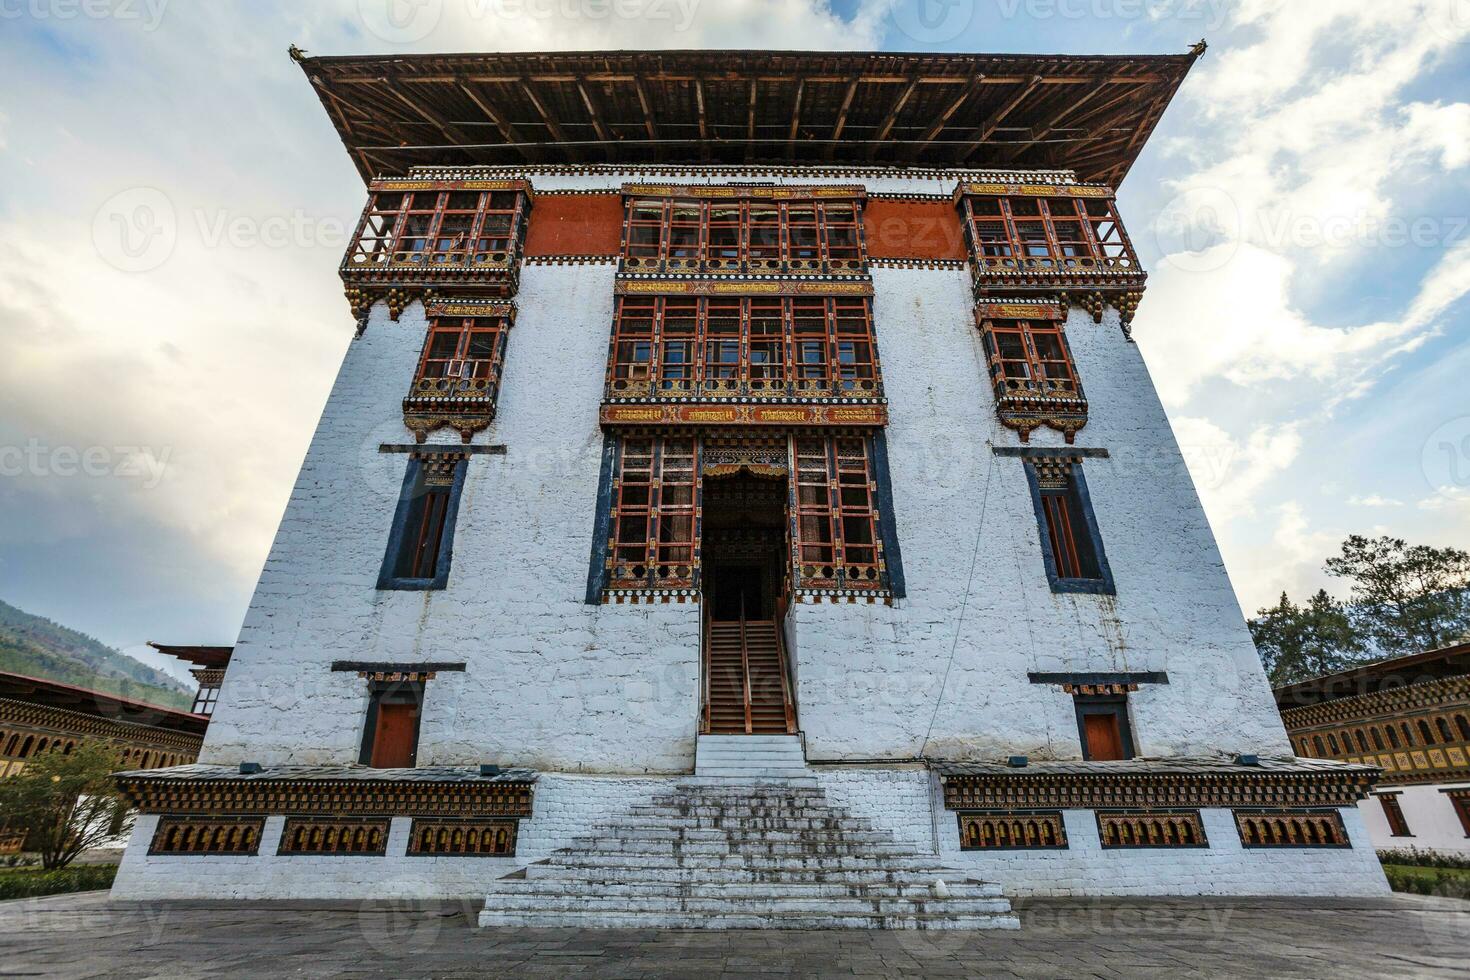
959	888
677	904
577	918
725	853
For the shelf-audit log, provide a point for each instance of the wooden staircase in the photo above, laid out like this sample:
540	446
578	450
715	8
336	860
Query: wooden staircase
746	688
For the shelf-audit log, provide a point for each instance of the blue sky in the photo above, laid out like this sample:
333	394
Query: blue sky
1302	210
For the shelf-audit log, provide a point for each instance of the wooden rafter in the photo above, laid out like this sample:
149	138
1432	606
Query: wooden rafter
942	120
557	133
1043	129
703	120
507	131
837	126
592	112
795	118
886	126
750	121
992	123
646	107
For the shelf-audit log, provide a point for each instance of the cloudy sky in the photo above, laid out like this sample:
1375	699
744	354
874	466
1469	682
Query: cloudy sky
1302	209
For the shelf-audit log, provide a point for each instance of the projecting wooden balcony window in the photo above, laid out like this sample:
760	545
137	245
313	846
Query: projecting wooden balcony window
663	235
692	348
1048	237
458	377
1031	369
453	230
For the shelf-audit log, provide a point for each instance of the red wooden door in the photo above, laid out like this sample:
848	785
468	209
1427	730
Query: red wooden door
1104	740
393	740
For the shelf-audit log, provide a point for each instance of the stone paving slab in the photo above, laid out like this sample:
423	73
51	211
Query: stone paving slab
87	935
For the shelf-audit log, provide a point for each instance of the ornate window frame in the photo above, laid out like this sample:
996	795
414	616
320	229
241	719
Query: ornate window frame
439	475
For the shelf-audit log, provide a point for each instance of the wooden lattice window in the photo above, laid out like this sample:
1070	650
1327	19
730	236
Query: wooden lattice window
679	234
179	835
442	228
1291	828
682	346
1150	828
1027	356
335	836
1057	232
654	513
464	347
836	514
462	838
1012	830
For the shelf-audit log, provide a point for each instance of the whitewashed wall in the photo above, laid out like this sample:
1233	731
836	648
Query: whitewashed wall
1433	825
555	684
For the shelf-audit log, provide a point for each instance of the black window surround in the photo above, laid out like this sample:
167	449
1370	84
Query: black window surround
1115	705
391	692
1084	521
417	486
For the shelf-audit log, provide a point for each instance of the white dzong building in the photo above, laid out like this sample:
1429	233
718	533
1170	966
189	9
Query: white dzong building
743	503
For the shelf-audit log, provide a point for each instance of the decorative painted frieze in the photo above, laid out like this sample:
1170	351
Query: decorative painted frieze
206	835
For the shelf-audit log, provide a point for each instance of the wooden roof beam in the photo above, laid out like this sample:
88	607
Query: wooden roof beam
452	132
646	106
940	121
837	126
507	131
597	126
886	126
557	133
1044	128
795	119
750	122
703	121
982	133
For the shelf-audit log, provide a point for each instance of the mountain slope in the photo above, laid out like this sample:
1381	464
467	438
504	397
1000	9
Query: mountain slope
40	648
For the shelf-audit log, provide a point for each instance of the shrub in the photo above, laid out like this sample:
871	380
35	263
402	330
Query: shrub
66	803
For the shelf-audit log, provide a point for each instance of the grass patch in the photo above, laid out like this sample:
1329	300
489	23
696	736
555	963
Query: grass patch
33	882
1445	882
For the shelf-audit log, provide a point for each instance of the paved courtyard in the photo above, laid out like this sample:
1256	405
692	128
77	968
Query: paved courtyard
87	936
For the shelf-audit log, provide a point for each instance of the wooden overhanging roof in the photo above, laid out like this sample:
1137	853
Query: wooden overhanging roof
1091	114
100	704
1415	668
199	656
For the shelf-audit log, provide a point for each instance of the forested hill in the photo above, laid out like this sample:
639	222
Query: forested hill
40	648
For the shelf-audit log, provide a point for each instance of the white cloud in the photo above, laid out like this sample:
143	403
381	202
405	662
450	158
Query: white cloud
1300	177
1374	500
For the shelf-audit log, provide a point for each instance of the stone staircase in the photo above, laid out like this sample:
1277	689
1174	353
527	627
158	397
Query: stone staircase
742	854
750	756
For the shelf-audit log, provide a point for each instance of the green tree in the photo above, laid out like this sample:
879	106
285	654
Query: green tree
1299	642
66	803
1405	598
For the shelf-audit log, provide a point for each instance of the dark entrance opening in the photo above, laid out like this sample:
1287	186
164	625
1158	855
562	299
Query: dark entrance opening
743	545
743	561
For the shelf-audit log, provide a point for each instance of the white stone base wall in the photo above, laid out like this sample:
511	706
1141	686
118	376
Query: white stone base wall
565	806
906	801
